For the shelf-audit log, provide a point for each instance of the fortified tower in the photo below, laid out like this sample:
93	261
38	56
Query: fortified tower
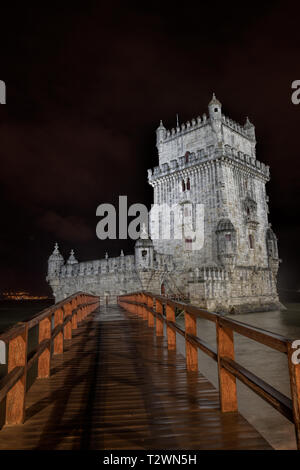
211	162
208	179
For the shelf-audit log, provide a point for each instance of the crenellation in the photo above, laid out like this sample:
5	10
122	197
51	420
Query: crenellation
209	161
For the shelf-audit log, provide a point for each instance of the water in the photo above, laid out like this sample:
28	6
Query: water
266	363
14	311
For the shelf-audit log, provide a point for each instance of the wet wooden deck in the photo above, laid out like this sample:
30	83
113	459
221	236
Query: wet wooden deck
116	386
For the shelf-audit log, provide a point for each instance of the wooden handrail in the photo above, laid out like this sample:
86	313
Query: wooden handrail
151	306
69	312
278	400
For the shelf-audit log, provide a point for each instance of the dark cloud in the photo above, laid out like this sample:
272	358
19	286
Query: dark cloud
72	228
86	87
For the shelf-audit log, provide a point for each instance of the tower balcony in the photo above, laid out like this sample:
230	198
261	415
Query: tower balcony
251	221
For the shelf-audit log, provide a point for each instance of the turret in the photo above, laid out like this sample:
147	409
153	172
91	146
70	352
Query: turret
226	243
143	250
250	131
55	262
160	134
215	114
272	250
72	259
70	264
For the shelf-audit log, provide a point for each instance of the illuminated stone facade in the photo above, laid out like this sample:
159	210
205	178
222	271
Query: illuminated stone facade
209	163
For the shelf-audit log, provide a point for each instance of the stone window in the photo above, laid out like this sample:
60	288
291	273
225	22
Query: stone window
144	253
188	184
187	154
228	237
251	241
183	185
188	244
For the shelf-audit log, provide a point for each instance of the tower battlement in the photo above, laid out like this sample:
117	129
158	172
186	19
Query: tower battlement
202	156
211	132
208	173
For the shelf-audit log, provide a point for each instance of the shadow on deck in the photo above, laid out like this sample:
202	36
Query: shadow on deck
118	387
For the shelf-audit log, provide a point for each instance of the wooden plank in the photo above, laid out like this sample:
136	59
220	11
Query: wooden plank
12	332
35	354
267	338
150	312
57	333
204	346
227	380
171	335
9	380
117	387
15	398
67	308
191	351
44	358
159	320
176	328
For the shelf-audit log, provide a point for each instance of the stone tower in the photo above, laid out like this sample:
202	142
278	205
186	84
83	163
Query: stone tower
211	162
210	241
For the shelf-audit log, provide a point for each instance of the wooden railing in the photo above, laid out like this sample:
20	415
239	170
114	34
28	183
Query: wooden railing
55	324
158	310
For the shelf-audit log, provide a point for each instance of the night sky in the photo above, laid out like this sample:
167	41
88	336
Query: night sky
86	87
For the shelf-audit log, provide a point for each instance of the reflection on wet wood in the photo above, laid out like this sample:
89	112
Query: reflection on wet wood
117	386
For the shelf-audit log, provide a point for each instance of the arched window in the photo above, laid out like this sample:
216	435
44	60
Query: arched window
162	289
188	244
187	154
251	241
188	184
183	185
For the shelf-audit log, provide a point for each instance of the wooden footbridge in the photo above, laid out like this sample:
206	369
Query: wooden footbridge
81	377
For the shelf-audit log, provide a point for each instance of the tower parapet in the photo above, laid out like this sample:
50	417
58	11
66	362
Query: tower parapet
208	177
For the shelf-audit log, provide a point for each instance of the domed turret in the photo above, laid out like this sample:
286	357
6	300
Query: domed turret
214	101
72	259
55	262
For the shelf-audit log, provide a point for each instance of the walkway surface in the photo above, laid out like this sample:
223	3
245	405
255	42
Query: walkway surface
117	387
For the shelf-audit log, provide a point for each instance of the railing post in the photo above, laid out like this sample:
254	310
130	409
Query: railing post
191	351
68	325
45	357
15	398
227	381
159	321
144	310
58	344
294	370
75	320
150	314
171	335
